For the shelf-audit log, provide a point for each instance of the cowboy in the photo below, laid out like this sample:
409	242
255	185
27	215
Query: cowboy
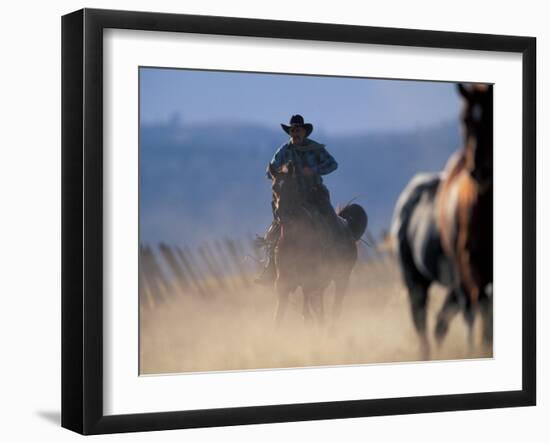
311	160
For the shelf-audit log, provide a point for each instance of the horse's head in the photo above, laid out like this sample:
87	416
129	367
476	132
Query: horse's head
477	125
286	189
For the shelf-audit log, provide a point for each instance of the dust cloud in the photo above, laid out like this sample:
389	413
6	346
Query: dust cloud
234	329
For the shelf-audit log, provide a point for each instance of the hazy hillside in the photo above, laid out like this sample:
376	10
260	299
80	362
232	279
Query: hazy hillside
199	182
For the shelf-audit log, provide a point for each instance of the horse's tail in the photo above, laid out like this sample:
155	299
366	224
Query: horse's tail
356	219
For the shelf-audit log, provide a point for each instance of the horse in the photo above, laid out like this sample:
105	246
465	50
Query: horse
465	208
438	231
313	249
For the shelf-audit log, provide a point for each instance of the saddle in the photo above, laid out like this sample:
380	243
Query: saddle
326	221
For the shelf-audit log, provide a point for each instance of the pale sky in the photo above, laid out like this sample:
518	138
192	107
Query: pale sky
333	104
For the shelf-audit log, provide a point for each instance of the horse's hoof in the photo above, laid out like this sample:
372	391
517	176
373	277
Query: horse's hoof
440	332
425	355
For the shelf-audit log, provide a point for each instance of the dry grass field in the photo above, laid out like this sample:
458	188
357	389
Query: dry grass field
234	330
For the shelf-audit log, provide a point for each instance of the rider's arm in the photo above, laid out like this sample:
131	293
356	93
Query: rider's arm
326	163
278	159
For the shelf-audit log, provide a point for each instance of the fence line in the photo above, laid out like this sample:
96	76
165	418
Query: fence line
213	268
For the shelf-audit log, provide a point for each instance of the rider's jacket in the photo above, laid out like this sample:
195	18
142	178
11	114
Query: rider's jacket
311	154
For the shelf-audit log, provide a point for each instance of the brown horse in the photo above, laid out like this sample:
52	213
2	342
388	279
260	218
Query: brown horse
465	207
311	252
443	227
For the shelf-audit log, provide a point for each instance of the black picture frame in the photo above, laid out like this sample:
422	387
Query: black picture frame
82	219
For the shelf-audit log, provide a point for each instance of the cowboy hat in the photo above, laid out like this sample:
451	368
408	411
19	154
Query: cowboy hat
297	121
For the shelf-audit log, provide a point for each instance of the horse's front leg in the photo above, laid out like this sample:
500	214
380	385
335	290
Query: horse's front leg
306	307
486	309
418	298
469	313
283	291
314	300
450	308
340	289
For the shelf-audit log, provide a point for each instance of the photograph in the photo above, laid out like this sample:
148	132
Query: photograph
272	219
293	221
244	222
